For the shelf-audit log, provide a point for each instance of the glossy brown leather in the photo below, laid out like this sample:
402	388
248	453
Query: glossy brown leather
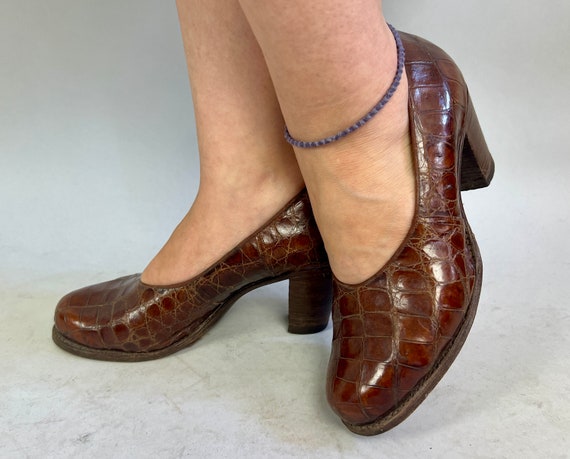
125	319
396	333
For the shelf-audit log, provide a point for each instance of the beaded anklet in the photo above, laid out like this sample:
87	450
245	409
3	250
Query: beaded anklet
362	121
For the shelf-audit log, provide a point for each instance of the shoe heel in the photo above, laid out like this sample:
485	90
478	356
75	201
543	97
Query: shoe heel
477	165
310	301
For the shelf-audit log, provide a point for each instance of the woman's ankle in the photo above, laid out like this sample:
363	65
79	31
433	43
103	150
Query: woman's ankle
363	191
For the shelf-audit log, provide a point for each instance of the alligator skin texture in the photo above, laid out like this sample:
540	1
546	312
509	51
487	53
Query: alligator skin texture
127	315
390	331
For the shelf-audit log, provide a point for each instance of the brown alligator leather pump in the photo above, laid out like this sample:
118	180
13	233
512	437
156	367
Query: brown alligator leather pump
127	320
397	333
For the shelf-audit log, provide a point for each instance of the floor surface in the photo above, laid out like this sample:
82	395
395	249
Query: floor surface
97	165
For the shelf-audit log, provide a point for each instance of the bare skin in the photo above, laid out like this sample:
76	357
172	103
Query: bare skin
327	74
247	171
321	76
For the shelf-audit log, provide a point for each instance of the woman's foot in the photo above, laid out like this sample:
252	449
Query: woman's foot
328	74
247	171
230	206
362	190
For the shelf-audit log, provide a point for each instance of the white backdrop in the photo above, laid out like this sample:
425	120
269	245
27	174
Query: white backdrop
98	163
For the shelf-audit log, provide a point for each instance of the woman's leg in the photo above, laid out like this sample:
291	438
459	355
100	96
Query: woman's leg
247	171
331	61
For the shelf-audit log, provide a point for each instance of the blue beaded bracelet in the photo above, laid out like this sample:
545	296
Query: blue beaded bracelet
362	121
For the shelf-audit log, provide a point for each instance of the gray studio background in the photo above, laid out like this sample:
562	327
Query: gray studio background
98	163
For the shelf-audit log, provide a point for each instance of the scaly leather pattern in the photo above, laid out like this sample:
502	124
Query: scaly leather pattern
392	331
127	315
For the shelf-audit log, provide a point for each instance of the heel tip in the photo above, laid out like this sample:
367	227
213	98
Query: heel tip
306	329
